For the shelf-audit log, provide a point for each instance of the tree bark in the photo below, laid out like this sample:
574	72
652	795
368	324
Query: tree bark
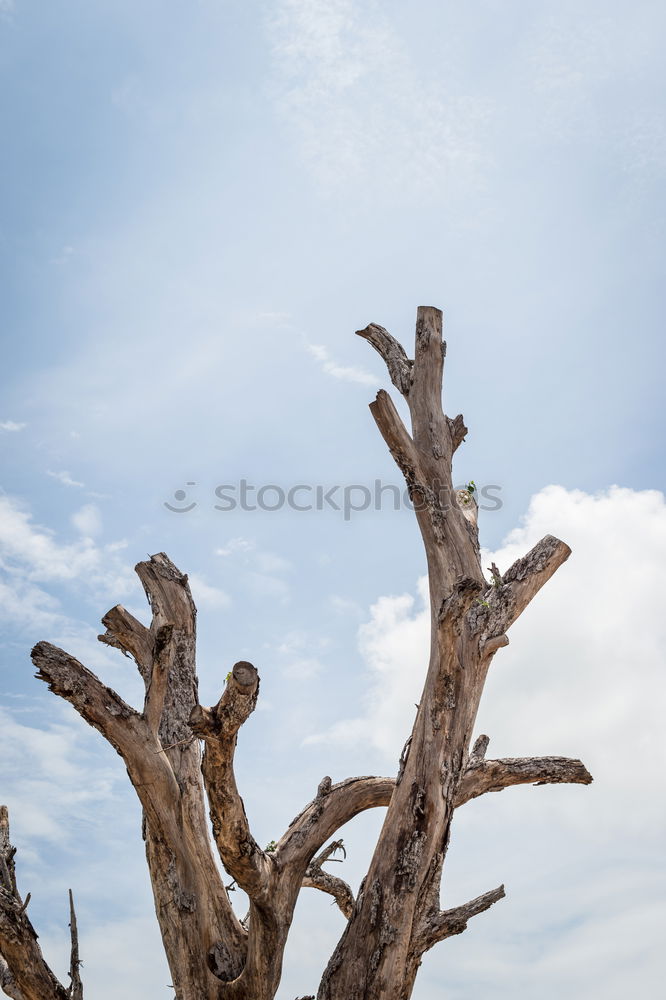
380	950
396	916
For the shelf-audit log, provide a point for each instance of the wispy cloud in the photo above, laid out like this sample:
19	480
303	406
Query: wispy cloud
332	368
31	554
65	478
207	596
11	425
262	570
88	520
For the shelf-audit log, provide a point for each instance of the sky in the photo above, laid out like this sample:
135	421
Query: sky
200	203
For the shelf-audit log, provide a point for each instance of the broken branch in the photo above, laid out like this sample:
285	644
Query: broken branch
495	775
446	923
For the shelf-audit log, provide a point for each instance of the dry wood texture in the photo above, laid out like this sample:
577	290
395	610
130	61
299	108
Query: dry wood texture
396	916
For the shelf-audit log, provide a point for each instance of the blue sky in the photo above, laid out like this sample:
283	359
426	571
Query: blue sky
200	203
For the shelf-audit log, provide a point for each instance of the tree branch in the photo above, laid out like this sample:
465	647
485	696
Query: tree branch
457	430
446	923
172	692
429	353
398	364
126	633
484	776
24	973
218	727
101	707
76	986
316	878
333	806
508	596
396	436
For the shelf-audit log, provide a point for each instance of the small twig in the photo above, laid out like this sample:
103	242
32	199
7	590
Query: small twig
333	848
24	904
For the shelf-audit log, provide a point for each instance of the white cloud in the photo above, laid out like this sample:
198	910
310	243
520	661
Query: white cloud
607	604
26	606
88	520
64	478
331	367
234	545
31	556
11	425
263	569
46	775
207	596
297	653
33	553
361	109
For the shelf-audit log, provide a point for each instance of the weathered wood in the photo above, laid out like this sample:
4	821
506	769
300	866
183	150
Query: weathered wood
316	878
380	950
396	916
24	973
126	633
495	775
8	983
76	986
202	936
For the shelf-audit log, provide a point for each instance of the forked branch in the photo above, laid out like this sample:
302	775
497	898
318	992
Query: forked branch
508	596
317	878
333	806
218	728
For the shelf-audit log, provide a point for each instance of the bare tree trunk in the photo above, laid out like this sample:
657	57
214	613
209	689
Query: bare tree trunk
396	917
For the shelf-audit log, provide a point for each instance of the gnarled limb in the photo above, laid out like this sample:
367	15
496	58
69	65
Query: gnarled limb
446	923
203	938
126	633
317	878
508	596
333	806
218	728
100	706
495	775
398	364
24	973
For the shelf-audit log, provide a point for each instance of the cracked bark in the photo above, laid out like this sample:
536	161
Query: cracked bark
381	948
202	936
396	915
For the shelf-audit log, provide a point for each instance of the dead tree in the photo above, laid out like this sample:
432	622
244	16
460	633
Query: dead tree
396	916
